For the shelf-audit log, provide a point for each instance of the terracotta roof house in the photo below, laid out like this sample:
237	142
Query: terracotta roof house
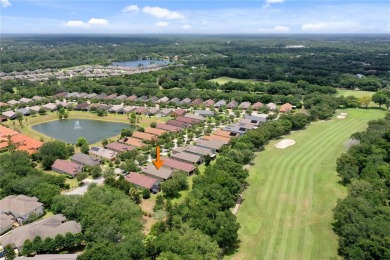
175	101
121	97
202	151
165	112
47	227
101	153
132	98
245	105
84	159
187	157
197	101
176	165
222	133
12	102
5	132
132	142
232	104
204	113
141	110
287	107
180	124
194	116
186	101
81	106
144	136
223	139
21	207
9	114
119	148
92	95
257	105
179	112
220	104
163	100
154	131
2	104
214	145
66	167
25	100
189	120
153	110
169	128
271	106
26	143
161	174
141	180
112	96
209	103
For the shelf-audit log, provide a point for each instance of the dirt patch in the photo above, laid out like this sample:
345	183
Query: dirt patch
285	143
147	206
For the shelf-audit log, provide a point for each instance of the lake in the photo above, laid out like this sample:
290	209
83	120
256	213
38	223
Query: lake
92	130
136	63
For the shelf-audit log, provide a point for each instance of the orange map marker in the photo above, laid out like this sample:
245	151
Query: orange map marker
158	162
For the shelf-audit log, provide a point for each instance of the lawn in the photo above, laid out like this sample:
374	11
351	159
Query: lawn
287	208
356	93
223	80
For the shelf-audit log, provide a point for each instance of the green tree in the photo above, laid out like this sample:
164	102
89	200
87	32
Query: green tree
48	244
380	98
145	194
153	124
19	117
9	252
69	240
365	101
37	244
27	248
96	172
81	141
59	241
84	148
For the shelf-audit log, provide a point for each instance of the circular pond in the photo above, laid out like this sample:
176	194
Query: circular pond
70	130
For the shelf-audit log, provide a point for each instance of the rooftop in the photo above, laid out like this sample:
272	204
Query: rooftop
66	166
19	204
178	165
141	180
163	172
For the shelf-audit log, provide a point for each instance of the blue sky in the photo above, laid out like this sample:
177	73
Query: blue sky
194	17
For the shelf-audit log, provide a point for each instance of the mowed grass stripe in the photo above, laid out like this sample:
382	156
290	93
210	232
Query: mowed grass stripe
308	168
292	161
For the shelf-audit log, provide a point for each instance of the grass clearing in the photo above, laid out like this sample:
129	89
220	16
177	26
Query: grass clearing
223	80
355	93
287	209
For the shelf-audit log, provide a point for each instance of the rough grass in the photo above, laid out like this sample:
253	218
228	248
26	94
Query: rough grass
223	80
356	93
287	209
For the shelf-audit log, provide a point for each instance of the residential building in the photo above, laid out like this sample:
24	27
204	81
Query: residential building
180	124
121	97
187	157
153	110
202	151
115	108
92	95
209	103
188	120
25	100
66	167
143	181
186	101
232	104
50	106
179	112
9	114
26	143
245	105
257	119
132	98
257	105
170	128
132	142
144	136
165	112
23	111
194	116
84	160
82	106
37	98
101	153
21	207
271	106
49	257
214	145
163	100
176	165
13	102
223	139
6	223
222	133
154	131
220	104
112	96
287	107
196	102
161	174
175	101
204	113
141	110
119	148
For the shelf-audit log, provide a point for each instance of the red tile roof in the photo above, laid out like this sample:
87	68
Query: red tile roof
141	110
222	133
154	131
226	140
132	142
118	147
179	112
188	120
286	107
144	136
141	180
169	128
178	165
67	167
25	143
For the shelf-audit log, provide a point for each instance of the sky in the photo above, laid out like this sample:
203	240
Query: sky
195	17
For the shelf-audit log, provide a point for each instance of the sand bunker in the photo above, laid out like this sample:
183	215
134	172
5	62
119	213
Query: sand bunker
343	114
285	143
340	117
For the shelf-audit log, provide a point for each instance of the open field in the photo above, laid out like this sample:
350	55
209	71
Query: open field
356	93
223	80
287	209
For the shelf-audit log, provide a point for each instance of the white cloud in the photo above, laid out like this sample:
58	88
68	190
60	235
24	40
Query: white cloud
5	3
162	13
341	26
162	24
276	29
91	22
186	26
314	26
131	9
274	1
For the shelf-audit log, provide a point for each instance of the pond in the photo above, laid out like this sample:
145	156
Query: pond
139	63
70	130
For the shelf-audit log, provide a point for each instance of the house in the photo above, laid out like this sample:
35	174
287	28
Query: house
204	113
6	223
72	95
50	107
169	128
126	109
153	99
102	95
49	257
82	95
239	128
186	101
132	98
121	97
287	107
188	120
3	118
35	108
141	110
25	100
196	102
155	131
176	165
115	108
84	160
2	104
232	104
214	145
12	102
37	98
82	106
143	181
178	123
222	133
21	207
161	174
9	114
194	116
220	104
244	105
112	96
101	153
175	101
26	143
61	94
104	107
66	167
257	119
132	142
179	112
144	136
47	227
163	100
142	99
165	112
271	106
187	157
119	148
92	95
209	103
223	139
153	110
23	111
202	151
